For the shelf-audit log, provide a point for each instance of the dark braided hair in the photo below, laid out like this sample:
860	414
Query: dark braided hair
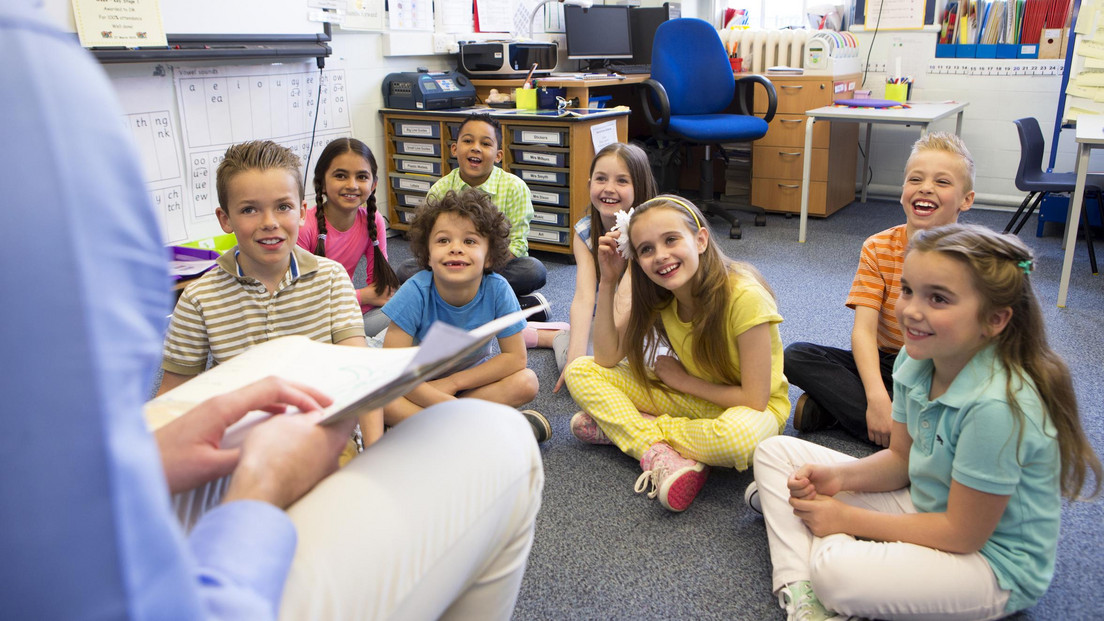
383	277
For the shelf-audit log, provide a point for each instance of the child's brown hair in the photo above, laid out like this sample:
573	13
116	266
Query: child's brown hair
470	203
255	155
1000	266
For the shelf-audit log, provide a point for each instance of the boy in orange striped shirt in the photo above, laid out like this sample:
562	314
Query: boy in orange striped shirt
853	388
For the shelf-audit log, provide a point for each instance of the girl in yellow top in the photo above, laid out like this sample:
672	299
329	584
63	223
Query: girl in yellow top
720	389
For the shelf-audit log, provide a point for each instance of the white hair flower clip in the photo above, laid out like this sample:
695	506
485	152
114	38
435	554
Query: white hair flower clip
622	224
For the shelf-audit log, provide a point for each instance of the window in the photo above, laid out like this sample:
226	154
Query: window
772	14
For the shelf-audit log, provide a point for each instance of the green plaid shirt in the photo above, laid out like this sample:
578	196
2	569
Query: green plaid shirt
509	193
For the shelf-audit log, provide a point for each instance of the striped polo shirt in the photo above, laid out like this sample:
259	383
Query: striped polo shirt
226	312
877	283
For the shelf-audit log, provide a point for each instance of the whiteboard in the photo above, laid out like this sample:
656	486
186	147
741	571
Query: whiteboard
184	118
217	17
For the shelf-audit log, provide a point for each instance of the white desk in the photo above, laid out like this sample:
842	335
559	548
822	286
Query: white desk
1090	135
918	113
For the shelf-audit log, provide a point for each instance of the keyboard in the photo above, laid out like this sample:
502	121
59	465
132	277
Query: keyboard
629	69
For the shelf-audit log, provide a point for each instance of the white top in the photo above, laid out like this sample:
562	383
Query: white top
917	112
1090	129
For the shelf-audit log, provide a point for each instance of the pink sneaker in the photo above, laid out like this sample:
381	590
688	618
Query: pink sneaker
675	479
586	429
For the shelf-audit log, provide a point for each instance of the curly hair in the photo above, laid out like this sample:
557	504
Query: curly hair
999	266
254	155
470	203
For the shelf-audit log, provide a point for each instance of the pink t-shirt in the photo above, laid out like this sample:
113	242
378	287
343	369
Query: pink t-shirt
346	247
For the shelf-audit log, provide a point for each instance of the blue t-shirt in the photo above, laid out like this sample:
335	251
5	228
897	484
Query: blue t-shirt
416	305
969	434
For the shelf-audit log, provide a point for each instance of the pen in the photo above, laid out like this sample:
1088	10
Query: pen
531	70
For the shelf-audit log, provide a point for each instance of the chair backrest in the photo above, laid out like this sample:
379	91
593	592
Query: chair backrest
689	60
1031	152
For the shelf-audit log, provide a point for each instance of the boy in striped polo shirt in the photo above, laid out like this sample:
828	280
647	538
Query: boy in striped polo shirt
266	286
853	388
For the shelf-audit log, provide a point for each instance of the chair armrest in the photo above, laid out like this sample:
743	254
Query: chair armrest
652	91
745	86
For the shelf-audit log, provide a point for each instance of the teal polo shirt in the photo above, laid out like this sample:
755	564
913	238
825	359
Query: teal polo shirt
969	434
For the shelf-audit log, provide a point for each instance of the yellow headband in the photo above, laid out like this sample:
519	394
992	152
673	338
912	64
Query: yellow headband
678	201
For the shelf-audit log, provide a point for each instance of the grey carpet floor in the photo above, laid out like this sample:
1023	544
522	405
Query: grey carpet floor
604	552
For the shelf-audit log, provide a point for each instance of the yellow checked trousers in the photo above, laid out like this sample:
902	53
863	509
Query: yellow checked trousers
696	428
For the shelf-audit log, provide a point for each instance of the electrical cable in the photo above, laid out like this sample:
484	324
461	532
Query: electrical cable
877	25
314	127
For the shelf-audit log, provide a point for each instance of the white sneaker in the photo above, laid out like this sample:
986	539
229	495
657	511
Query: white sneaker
801	603
751	498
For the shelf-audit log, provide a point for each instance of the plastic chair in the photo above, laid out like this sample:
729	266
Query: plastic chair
1031	178
692	86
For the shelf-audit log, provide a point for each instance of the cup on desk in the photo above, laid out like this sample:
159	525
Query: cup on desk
525	98
897	90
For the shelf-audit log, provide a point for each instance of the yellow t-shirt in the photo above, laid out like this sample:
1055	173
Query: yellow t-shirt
751	305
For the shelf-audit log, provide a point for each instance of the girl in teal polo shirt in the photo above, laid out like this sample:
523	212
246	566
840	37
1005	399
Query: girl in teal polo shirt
958	518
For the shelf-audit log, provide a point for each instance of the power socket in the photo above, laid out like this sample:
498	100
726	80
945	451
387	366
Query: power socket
443	44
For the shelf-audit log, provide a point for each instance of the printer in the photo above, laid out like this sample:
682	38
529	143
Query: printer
506	59
422	90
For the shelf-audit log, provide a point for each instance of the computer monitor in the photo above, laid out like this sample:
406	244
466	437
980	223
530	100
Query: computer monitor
645	21
599	32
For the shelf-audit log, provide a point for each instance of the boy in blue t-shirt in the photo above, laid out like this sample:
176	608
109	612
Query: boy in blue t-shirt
458	239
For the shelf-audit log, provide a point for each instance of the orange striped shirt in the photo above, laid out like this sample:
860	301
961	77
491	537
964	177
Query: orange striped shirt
877	283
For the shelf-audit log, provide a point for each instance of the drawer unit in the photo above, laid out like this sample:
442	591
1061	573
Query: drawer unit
540	156
419	165
786	162
546	216
425	148
406	216
556	197
548	136
416	129
404	199
548	235
778	157
788	130
411	183
539	175
551	155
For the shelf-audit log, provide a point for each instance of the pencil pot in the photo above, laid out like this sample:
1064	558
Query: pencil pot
525	98
897	92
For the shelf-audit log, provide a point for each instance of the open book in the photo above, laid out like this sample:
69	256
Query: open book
356	378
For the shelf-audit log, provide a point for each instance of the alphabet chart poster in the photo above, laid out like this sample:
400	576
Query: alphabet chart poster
224	105
184	118
150	113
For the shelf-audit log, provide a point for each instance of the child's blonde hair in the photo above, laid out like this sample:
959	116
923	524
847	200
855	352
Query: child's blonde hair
710	284
999	267
470	203
644	187
254	155
947	143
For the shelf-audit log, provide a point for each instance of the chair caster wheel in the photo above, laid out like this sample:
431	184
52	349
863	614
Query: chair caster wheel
760	220
734	233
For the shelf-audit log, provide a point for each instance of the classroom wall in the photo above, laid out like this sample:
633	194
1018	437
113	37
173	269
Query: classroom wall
996	99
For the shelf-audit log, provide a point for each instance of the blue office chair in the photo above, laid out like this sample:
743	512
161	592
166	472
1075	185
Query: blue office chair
692	86
1030	178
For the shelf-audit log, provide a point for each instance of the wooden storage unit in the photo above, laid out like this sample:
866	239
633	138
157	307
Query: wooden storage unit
551	154
777	158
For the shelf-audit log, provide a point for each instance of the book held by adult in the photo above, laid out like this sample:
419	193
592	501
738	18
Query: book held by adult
358	379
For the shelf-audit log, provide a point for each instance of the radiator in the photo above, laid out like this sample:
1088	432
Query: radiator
761	49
